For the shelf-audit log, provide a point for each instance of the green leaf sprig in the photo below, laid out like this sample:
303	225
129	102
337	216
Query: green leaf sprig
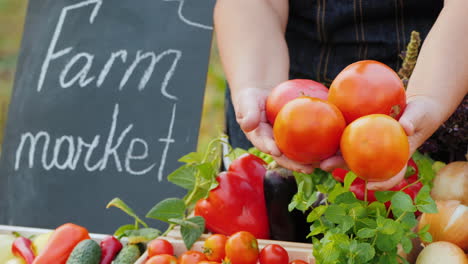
346	230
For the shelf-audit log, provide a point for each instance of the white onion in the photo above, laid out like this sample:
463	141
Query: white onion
451	182
442	253
449	224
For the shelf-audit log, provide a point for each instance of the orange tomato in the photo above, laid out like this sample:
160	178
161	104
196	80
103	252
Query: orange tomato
214	247
375	147
308	130
191	257
368	87
162	259
242	248
290	89
159	246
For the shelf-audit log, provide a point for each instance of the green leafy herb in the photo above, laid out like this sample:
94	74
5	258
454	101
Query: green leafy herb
426	172
346	230
117	202
166	209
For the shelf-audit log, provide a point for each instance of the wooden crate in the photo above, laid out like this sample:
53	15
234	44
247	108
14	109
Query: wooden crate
302	251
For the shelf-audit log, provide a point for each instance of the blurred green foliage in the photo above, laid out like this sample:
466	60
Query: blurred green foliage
12	14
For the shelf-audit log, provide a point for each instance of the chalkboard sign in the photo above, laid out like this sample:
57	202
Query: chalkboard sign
108	95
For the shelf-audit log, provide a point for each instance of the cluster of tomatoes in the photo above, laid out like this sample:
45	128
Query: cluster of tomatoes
357	115
239	248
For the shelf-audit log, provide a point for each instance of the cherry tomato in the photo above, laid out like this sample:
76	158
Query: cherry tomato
191	257
288	90
160	246
242	248
208	262
214	247
297	261
375	147
308	130
162	259
368	87
274	254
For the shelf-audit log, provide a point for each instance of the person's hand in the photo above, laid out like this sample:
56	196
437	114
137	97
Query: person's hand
249	105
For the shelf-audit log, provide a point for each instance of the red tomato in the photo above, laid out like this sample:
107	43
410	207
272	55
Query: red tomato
368	87
375	147
162	259
208	262
191	257
308	130
214	247
274	254
297	261
160	246
242	248
291	89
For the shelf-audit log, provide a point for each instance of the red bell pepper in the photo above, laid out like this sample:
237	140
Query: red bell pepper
110	247
358	187
237	204
22	248
251	168
61	244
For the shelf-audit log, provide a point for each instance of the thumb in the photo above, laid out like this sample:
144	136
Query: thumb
411	121
248	111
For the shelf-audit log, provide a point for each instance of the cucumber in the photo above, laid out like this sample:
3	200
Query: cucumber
86	252
128	255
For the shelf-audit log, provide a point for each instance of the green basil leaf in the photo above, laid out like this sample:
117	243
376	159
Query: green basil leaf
316	229
316	213
389	227
425	237
377	208
406	244
365	252
384	196
335	213
358	212
346	198
424	201
409	221
370	223
426	173
425	228
335	192
402	201
346	223
385	243
191	233
120	232
142	235
349	179
184	177
366	233
207	170
166	209
117	202
192	157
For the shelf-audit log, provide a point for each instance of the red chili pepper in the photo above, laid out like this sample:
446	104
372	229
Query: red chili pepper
110	247
358	186
61	244
22	248
235	205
